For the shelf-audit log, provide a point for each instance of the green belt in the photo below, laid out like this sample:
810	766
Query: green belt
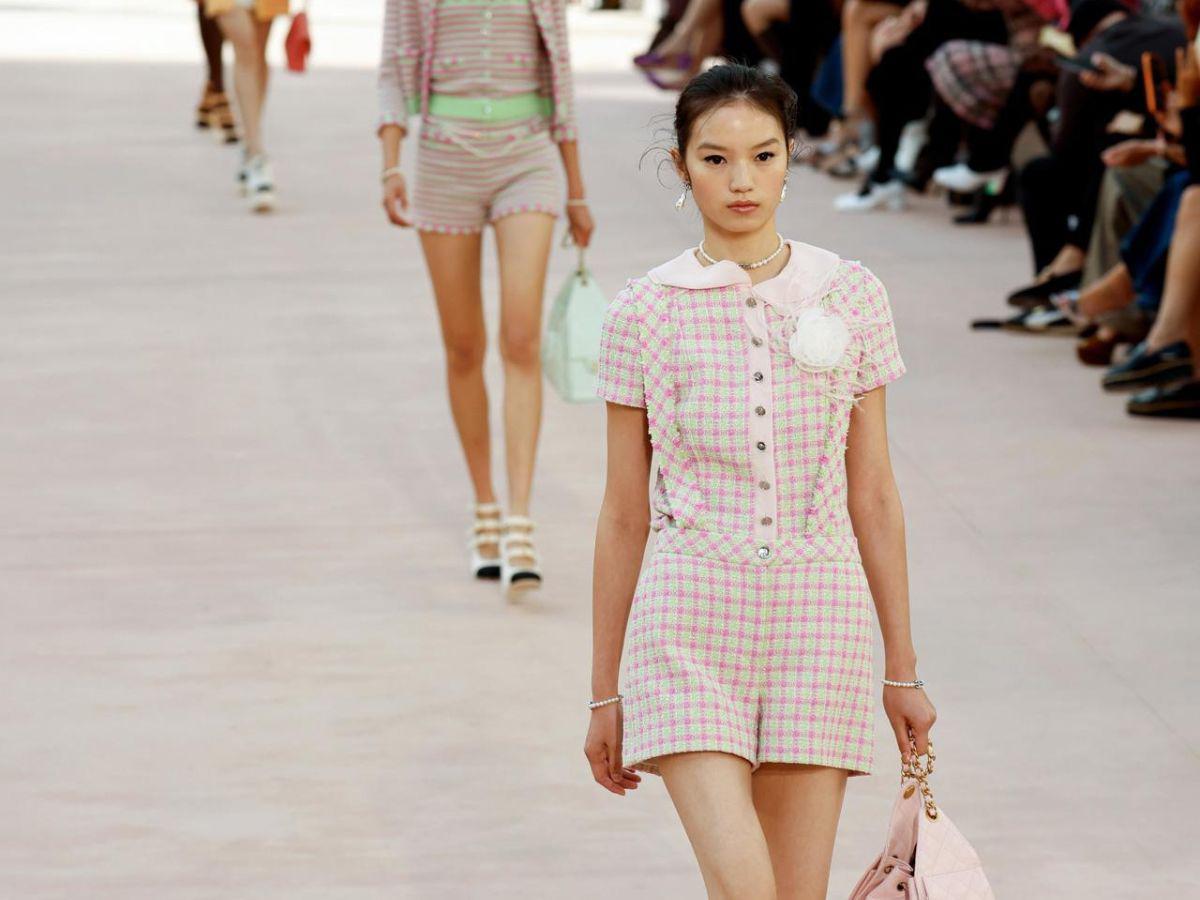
519	106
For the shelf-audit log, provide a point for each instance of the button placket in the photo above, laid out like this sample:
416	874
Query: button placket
762	436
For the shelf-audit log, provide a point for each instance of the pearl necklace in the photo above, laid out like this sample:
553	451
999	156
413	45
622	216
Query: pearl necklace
750	265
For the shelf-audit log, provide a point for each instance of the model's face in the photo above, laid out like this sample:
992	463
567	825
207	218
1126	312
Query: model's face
737	160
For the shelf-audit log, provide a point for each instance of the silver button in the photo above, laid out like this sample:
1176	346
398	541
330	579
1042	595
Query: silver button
750	301
761	445
764	551
487	109
766	520
756	341
765	485
758	376
487	13
760	410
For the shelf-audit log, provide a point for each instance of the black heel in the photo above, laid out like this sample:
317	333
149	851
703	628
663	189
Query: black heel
987	199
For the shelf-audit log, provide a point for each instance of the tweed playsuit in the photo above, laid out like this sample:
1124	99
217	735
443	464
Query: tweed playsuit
751	627
473	172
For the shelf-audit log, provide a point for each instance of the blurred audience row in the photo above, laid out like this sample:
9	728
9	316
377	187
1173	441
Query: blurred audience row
912	96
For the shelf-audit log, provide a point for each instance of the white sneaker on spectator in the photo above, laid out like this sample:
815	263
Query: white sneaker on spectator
260	185
871	196
868	159
960	177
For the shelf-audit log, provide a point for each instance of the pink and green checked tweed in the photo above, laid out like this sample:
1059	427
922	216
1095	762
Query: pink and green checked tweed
751	626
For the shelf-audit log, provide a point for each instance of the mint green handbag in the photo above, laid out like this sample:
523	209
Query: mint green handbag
571	342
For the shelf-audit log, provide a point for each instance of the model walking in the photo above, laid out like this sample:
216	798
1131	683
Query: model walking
491	80
247	24
213	112
754	368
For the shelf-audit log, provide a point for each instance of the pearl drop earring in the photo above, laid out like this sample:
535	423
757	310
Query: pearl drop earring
783	193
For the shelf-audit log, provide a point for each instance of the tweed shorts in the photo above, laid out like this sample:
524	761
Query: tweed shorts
471	173
772	663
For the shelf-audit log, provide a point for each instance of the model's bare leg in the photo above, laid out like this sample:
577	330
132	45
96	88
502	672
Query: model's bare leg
249	38
454	261
523	247
712	794
799	807
1179	316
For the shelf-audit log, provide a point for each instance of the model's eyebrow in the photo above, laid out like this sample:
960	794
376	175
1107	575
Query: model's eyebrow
707	145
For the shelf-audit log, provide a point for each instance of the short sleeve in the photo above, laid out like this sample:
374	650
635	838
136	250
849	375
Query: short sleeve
880	362
619	376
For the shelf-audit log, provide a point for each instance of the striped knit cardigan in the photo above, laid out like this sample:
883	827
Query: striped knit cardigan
409	30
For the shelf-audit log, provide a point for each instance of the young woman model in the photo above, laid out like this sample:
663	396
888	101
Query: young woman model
247	24
754	369
492	82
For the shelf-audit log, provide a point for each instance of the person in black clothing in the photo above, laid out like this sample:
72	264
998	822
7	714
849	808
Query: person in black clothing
1165	363
901	91
1058	191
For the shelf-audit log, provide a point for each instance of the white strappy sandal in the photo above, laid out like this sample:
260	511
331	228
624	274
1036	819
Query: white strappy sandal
519	571
484	541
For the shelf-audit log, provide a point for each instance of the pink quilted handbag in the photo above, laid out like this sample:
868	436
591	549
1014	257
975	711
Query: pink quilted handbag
925	857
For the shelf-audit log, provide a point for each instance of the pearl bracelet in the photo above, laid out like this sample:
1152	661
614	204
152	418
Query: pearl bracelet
912	684
389	172
596	704
576	201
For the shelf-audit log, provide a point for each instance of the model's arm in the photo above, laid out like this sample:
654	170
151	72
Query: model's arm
878	519
580	217
621	532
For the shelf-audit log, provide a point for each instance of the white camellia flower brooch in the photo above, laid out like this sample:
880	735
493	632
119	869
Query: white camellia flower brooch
820	339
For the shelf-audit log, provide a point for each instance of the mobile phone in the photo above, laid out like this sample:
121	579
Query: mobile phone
1076	64
1155	81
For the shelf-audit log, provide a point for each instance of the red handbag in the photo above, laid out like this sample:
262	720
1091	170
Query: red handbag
298	44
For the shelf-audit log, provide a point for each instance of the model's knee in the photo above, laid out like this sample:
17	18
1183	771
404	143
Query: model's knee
520	346
464	355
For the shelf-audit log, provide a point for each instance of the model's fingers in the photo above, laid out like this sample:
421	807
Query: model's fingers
900	728
921	733
599	762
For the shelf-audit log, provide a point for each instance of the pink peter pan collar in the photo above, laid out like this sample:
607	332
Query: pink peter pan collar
806	273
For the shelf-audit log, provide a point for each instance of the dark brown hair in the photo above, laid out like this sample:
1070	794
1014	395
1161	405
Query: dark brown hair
728	83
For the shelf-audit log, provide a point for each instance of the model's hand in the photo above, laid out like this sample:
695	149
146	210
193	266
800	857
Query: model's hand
395	200
580	221
909	708
603	751
1129	153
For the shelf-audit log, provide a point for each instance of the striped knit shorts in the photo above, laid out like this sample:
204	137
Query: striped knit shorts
770	663
470	173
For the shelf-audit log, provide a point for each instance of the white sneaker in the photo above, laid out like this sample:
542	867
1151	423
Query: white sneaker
873	196
260	185
868	159
959	177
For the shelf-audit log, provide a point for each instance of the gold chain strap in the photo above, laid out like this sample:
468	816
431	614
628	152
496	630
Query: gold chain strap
911	767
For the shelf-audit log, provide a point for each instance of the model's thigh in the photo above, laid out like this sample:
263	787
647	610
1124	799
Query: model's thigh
798	807
712	794
239	28
262	33
523	248
453	261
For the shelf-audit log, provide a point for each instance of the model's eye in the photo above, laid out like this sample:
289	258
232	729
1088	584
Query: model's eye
714	159
765	155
